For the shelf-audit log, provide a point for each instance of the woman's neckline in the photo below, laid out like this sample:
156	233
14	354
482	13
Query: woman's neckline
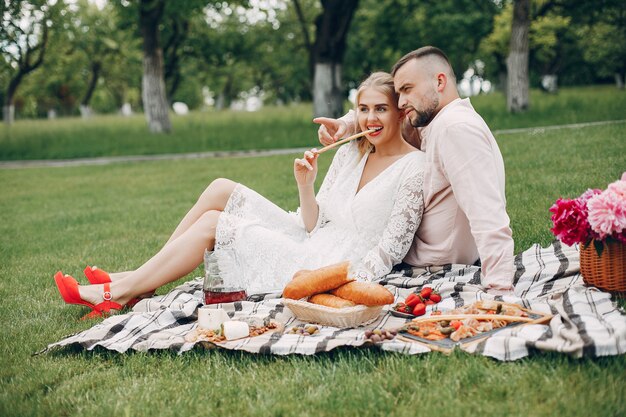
364	162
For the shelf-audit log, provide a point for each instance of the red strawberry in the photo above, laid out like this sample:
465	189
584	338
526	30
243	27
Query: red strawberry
429	302
435	297
425	293
412	300
399	307
419	309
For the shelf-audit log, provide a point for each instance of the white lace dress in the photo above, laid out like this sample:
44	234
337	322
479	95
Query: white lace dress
260	246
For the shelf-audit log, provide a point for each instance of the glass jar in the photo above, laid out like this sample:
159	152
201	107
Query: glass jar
215	291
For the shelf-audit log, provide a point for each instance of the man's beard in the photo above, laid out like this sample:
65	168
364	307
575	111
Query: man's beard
424	117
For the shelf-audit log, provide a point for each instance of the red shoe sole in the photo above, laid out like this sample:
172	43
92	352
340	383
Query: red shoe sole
58	279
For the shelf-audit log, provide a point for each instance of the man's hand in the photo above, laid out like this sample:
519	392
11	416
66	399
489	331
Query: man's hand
330	130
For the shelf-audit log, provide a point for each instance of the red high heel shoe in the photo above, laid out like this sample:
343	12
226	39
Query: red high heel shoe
68	287
96	275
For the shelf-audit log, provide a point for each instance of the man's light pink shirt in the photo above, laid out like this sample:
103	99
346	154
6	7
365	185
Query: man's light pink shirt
465	205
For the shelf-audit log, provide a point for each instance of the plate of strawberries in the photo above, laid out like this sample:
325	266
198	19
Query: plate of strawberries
415	303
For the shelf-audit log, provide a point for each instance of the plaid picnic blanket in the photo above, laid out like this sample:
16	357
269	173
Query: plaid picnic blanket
585	321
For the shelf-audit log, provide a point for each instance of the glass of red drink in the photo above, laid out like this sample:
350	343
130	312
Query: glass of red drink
224	295
214	288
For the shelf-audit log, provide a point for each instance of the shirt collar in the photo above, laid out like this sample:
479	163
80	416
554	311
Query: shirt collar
425	131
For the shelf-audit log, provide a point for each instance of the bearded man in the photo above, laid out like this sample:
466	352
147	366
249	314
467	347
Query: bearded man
465	219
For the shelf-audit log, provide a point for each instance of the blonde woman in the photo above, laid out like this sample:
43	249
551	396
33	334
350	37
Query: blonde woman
367	211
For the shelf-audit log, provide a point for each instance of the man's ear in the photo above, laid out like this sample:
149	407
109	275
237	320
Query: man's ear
442	80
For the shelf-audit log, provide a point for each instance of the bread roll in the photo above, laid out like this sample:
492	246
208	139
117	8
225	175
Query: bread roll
365	293
317	281
330	300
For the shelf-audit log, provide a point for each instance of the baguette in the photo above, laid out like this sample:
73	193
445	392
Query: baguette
330	300
307	283
365	293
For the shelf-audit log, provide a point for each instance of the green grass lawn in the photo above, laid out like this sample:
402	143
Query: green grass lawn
117	215
274	127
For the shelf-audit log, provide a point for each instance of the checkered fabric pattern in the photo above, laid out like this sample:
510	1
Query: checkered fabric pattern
585	323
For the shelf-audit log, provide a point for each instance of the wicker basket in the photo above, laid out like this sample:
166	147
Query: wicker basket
607	272
358	315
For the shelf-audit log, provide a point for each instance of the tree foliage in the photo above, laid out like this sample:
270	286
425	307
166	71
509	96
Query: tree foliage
581	42
229	50
382	32
24	39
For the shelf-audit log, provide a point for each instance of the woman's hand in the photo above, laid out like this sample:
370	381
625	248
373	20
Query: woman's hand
305	169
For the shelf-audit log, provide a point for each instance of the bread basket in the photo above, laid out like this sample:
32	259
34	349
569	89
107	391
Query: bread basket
337	317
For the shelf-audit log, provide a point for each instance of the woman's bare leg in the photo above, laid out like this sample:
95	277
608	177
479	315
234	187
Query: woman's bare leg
214	197
175	260
115	276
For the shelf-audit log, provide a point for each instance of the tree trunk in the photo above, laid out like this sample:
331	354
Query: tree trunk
8	113
327	54
171	52
619	80
327	94
225	97
85	109
153	86
517	61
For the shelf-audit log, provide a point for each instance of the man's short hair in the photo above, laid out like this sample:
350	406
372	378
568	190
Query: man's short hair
422	52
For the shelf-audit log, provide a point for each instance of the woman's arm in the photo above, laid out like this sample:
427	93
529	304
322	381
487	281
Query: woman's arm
305	171
311	211
396	240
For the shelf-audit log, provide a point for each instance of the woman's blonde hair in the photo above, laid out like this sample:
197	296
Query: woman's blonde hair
382	82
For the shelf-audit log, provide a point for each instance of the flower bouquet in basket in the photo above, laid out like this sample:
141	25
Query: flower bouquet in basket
597	221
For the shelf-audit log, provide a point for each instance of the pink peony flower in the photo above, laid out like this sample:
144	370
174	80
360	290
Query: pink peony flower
619	188
570	221
607	213
588	194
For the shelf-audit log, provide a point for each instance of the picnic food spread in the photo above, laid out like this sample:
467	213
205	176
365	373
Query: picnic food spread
329	296
230	330
472	320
